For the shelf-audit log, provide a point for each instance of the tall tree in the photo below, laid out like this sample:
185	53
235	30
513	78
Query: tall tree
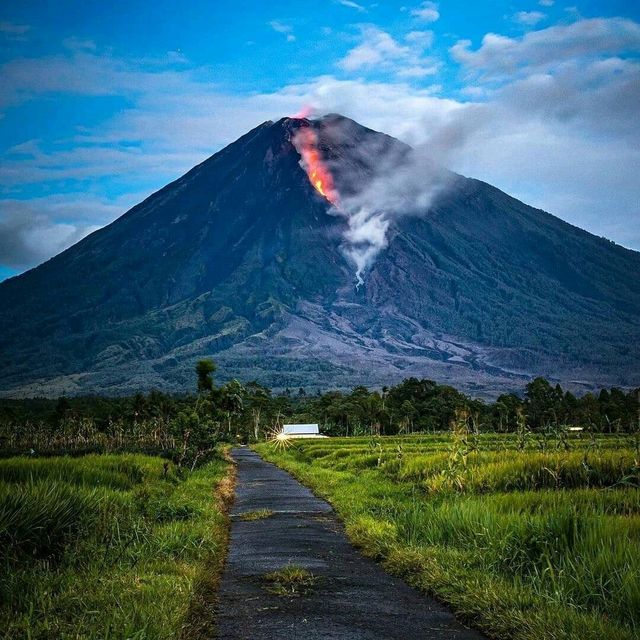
205	370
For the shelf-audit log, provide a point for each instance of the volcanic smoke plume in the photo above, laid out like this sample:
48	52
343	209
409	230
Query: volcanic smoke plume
367	229
386	181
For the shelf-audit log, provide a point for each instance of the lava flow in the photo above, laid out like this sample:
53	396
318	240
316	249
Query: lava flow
306	142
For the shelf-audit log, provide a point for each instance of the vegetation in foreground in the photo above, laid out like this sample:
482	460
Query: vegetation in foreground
109	546
531	530
525	536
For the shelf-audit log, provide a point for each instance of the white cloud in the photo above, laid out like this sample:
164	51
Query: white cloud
427	12
379	51
529	18
377	48
352	5
418	71
87	73
546	3
285	29
547	47
423	39
34	230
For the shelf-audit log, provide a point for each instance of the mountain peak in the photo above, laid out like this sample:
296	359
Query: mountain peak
243	260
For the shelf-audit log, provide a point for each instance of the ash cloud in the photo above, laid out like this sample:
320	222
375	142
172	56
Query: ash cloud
31	232
379	180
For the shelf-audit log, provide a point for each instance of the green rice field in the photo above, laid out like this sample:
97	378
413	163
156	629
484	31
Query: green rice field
525	537
108	546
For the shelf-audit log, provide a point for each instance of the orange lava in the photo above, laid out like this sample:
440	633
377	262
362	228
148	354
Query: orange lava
318	172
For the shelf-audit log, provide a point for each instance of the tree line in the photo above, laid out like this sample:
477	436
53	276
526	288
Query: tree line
190	424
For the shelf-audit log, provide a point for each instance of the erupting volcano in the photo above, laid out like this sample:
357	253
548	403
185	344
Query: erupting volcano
240	260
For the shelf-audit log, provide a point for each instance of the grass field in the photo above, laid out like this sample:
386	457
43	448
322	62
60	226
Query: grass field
525	538
109	546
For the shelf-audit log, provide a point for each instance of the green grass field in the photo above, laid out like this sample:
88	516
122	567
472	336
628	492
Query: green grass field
109	546
530	538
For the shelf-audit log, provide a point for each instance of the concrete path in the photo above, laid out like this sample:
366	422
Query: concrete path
353	599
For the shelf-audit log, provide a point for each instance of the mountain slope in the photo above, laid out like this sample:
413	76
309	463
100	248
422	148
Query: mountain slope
240	260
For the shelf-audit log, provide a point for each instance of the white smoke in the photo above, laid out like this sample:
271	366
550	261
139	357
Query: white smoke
380	180
365	238
404	183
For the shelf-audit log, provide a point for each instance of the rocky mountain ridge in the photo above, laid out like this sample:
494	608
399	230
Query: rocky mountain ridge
242	260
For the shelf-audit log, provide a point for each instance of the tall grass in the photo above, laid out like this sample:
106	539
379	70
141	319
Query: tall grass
38	519
117	472
111	546
527	542
76	434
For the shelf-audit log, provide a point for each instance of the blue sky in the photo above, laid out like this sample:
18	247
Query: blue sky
103	103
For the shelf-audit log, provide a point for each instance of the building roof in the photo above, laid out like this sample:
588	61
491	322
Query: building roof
300	429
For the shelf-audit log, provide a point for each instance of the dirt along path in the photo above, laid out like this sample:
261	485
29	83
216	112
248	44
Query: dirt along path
351	597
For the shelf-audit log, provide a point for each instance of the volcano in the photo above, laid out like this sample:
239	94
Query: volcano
243	259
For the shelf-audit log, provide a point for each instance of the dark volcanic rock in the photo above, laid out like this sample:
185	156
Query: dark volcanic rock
240	260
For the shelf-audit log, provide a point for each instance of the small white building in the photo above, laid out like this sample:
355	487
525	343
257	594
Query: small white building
302	431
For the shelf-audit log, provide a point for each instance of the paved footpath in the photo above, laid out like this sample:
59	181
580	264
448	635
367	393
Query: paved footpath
353	598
